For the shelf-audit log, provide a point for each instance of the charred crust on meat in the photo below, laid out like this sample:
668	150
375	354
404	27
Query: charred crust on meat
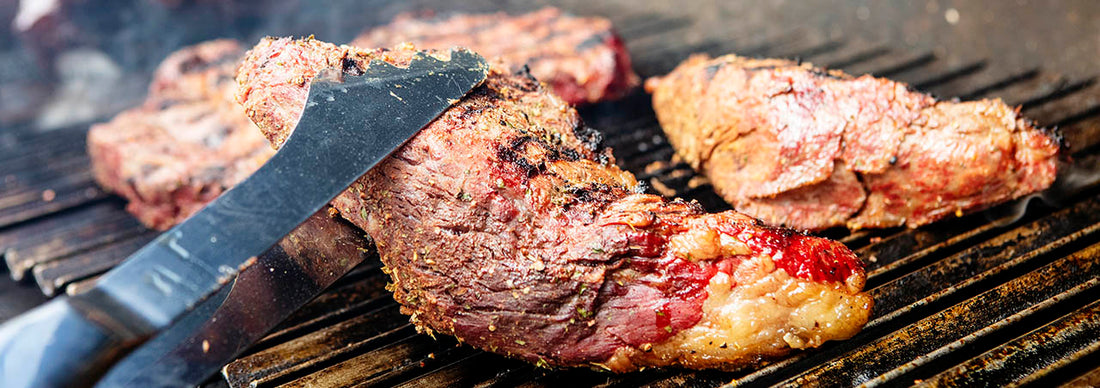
525	72
1054	133
351	66
511	154
589	137
593	192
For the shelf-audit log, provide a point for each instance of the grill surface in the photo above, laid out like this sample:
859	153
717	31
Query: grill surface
1006	296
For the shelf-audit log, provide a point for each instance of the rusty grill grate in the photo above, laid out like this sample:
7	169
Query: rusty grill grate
992	298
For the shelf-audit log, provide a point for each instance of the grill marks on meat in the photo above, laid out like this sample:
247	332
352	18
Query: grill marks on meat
813	149
187	143
502	227
581	58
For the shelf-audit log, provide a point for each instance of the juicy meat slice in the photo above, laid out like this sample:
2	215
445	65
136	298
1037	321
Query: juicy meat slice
506	223
581	58
187	143
800	146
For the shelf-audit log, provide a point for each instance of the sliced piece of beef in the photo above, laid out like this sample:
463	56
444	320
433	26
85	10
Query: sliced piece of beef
803	147
506	224
187	143
581	58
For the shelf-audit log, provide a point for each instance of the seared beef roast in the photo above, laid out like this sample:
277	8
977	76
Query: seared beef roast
506	224
799	146
581	58
187	144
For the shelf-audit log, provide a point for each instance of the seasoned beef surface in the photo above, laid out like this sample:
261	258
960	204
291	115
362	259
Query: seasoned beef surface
187	143
812	149
581	58
506	224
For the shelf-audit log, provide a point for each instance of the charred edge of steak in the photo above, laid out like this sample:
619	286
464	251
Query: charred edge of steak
510	153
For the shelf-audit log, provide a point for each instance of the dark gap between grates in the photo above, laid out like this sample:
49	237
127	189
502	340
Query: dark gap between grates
857	58
999	85
950	75
1056	94
819	49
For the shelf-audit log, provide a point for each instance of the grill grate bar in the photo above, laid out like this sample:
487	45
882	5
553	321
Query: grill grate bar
32	182
974	342
22	170
442	353
32	194
901	252
66	240
312	350
1023	358
54	275
80	286
20	147
46	225
459	373
982	264
1088	380
334	306
370	364
29	206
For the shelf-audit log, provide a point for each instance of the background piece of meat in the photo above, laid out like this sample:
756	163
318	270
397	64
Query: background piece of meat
506	224
187	144
802	147
581	58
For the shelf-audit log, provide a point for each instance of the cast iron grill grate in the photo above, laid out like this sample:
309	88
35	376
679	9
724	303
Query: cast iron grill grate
993	298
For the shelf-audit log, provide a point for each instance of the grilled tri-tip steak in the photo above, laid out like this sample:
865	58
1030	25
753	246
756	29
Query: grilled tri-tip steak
506	224
187	143
803	147
581	58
